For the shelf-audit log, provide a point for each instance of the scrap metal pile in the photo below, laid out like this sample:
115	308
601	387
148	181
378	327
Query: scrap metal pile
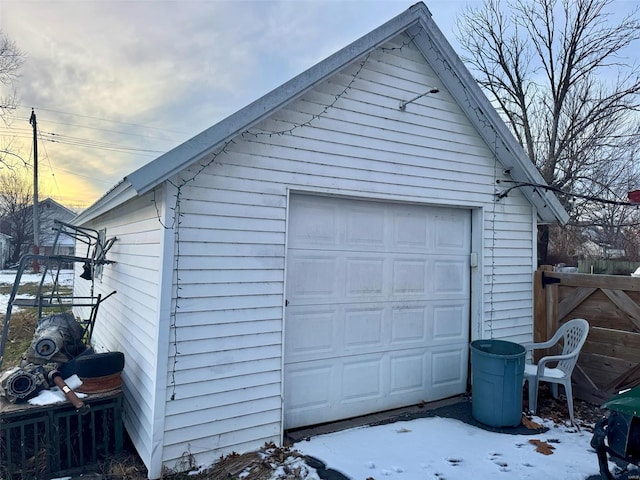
57	339
58	351
61	344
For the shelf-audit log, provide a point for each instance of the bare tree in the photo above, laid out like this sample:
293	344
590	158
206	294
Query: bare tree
16	212
11	60
555	70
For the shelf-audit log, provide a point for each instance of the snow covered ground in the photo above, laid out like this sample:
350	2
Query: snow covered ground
443	448
7	277
432	448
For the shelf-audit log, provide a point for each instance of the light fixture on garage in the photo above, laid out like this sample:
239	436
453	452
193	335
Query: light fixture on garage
403	104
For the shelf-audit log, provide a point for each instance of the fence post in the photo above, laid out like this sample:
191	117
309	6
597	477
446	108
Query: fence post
541	314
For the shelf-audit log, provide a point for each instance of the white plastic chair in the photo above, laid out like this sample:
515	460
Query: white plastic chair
573	335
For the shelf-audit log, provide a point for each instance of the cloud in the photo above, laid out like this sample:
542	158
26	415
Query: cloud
158	71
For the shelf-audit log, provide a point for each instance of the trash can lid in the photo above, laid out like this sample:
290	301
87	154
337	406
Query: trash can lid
501	348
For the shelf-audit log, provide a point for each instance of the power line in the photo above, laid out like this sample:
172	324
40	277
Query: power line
105	120
46	154
89	143
105	182
75	125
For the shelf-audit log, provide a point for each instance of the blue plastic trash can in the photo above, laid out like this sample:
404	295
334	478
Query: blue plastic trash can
497	371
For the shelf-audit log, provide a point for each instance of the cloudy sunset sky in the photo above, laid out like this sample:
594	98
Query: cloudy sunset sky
116	83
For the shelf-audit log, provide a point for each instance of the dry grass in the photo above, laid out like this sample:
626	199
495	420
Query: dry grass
22	324
248	466
21	327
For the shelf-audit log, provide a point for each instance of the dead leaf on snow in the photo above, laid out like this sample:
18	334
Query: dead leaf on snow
530	424
403	430
542	447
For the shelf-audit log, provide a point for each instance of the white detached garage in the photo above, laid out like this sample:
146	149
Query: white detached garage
323	253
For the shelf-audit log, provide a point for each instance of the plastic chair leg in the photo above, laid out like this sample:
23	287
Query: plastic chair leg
533	393
567	389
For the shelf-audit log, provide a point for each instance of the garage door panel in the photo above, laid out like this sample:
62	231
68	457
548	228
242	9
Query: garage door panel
364	328
410	231
384	322
408	371
364	276
359	385
364	228
362	378
409	276
313	276
451	277
314	386
408	325
450	323
312	223
451	233
310	332
448	368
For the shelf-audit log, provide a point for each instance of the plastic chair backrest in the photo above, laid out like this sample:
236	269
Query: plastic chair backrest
574	333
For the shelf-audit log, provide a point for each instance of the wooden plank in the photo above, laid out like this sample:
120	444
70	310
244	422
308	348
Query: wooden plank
602	369
629	379
622	300
539	307
579	373
621	338
611	350
618	282
568	304
600	311
552	322
597	397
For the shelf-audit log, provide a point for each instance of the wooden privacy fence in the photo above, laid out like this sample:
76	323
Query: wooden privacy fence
610	358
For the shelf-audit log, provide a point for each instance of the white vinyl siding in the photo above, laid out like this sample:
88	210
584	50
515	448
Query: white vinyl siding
128	320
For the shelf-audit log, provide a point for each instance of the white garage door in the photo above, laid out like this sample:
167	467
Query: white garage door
378	307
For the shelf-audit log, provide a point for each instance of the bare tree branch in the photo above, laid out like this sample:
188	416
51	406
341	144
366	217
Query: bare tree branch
555	69
11	60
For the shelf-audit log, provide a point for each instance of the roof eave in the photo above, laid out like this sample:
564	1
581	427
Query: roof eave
119	194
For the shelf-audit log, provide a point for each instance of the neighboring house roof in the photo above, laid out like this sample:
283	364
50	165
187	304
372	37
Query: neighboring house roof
432	44
50	202
61	207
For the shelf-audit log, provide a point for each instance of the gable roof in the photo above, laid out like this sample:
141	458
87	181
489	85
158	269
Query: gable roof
50	202
428	38
59	206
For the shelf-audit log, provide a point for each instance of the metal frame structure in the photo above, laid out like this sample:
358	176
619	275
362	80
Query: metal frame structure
48	297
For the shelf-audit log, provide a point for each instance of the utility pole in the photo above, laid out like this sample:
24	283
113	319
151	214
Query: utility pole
36	220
